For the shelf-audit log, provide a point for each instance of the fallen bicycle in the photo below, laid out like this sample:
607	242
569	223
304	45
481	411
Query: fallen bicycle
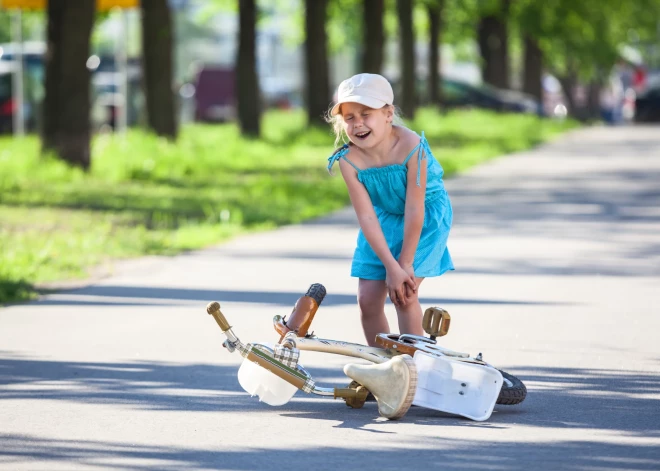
407	369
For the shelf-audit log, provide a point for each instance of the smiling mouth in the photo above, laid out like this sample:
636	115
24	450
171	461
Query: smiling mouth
363	135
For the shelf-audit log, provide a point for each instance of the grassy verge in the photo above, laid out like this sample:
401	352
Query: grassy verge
145	195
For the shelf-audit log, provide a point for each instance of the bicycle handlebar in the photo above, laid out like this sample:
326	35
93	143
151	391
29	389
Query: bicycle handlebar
213	309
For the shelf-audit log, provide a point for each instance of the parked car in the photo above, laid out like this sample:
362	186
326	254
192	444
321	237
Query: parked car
32	51
214	94
458	94
104	86
7	104
647	102
33	90
461	94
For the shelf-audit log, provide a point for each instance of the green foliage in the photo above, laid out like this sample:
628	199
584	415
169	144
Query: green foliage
462	139
32	22
584	36
5	26
146	195
210	8
345	25
460	20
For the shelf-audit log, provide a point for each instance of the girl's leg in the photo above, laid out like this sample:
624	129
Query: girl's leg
371	301
410	314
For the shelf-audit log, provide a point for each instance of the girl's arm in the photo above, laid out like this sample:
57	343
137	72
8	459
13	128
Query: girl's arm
364	209
398	281
414	210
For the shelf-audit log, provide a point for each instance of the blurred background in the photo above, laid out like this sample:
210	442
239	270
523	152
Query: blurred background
134	127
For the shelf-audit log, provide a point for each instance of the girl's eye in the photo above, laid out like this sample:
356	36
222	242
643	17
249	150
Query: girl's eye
349	118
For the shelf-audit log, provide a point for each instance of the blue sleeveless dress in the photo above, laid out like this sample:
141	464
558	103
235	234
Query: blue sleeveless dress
387	188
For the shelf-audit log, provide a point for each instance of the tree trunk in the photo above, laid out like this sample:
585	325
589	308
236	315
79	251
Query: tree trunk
247	84
493	41
66	129
374	36
157	45
568	83
407	56
593	98
316	55
533	68
435	29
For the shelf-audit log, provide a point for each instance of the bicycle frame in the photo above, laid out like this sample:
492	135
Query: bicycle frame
337	347
260	354
453	382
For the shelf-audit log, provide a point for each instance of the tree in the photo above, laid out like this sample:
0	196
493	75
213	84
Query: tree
532	19
493	39
435	9
247	81
66	119
407	58
157	45
316	57
374	36
533	67
579	42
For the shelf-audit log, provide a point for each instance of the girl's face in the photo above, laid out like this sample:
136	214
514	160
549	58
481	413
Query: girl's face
366	127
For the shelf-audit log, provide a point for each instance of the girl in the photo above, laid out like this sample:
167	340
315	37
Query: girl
395	185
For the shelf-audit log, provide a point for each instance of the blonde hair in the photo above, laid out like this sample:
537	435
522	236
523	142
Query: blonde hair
337	123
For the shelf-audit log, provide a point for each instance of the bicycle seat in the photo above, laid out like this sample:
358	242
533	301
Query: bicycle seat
392	383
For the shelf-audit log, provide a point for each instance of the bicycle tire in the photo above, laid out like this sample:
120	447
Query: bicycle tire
513	394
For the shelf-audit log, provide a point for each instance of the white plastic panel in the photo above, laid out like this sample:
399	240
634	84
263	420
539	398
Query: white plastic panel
270	388
456	387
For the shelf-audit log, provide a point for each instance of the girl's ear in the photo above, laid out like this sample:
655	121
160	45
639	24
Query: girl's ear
389	114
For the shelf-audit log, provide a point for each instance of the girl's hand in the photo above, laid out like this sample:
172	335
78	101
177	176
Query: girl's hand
399	282
411	285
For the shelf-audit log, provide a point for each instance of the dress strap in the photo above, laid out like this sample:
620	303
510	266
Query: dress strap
422	150
340	153
411	154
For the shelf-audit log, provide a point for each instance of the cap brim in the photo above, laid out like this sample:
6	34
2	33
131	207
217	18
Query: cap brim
374	103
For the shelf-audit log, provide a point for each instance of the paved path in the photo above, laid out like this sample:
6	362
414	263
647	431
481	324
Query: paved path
558	281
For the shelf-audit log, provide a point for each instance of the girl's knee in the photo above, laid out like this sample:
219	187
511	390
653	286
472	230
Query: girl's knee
409	303
371	297
370	305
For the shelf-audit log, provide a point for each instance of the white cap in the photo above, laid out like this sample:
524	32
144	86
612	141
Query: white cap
370	90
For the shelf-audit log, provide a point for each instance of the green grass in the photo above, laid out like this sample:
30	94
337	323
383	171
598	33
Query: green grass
145	195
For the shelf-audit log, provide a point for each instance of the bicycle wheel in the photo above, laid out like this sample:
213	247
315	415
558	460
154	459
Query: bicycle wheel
513	391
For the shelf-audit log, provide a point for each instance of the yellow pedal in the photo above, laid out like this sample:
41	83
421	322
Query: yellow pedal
436	322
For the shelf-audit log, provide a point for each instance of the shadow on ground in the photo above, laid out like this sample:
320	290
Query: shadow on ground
140	295
445	454
622	402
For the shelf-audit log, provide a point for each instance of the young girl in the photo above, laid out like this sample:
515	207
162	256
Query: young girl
395	185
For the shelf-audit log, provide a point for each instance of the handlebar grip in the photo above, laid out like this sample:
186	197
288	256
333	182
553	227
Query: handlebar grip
213	309
316	292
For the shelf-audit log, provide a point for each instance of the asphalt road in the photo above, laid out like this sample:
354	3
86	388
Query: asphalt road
558	282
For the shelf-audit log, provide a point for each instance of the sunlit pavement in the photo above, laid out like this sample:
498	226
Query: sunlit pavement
558	282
